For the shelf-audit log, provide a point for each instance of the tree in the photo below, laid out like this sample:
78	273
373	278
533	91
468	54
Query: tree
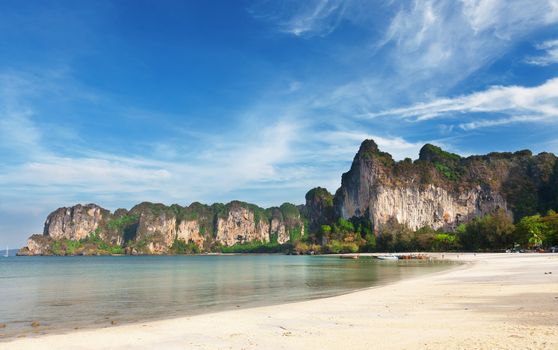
494	231
531	230
500	230
345	225
395	236
370	244
551	222
444	242
325	233
423	238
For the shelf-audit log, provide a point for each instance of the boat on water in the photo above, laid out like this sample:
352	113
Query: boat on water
388	257
7	252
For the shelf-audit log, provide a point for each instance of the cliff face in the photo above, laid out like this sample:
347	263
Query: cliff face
319	207
190	231
441	189
151	228
240	226
75	222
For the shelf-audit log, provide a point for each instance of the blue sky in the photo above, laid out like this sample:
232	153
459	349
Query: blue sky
117	102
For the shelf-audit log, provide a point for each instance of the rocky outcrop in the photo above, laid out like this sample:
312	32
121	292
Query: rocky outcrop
319	207
190	231
37	245
440	189
279	230
430	206
156	226
241	226
76	222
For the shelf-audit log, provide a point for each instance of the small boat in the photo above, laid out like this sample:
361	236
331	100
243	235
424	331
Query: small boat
7	253
388	257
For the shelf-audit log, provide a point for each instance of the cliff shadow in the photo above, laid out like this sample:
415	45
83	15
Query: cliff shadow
130	232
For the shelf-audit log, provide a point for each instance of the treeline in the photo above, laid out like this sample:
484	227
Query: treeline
495	232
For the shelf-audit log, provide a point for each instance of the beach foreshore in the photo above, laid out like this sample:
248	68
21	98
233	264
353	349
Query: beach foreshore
493	301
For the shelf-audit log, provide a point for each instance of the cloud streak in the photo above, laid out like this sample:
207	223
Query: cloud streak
308	18
550	55
521	104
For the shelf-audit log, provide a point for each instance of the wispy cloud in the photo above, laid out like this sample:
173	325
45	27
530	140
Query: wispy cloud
519	103
303	18
550	55
91	174
422	43
479	124
436	44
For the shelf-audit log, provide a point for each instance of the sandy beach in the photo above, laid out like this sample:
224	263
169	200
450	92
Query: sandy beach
494	301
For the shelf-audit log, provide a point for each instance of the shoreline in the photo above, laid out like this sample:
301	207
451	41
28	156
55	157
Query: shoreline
492	301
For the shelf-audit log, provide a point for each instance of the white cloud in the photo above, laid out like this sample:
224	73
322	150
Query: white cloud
303	18
479	124
508	18
436	44
217	171
520	104
549	57
18	134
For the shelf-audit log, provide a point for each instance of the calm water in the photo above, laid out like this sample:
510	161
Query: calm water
64	293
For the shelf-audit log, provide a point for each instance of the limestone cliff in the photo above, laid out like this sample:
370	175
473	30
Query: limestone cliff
152	228
441	189
75	222
240	225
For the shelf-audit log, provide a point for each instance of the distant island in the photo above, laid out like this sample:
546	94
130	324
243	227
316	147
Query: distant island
440	202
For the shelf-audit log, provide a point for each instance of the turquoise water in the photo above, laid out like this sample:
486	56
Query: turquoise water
65	293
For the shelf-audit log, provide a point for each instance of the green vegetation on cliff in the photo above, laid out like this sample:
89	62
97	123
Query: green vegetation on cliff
120	222
434	153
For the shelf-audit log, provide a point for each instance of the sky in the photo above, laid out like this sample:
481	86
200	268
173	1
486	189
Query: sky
119	102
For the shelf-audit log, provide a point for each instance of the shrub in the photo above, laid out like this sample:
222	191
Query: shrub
444	242
256	247
72	246
490	232
337	247
179	246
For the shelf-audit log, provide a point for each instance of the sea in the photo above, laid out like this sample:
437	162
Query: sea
44	295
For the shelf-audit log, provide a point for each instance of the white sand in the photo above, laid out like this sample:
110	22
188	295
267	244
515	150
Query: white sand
498	301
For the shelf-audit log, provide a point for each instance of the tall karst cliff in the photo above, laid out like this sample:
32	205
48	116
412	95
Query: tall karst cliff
439	190
442	189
